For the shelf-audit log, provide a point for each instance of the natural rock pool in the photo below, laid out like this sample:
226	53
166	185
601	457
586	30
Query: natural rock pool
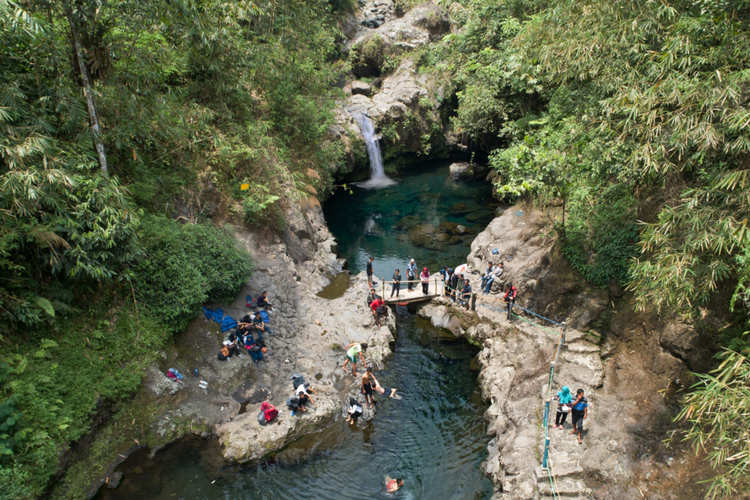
419	218
434	437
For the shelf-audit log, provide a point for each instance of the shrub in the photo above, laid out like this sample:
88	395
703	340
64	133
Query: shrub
185	265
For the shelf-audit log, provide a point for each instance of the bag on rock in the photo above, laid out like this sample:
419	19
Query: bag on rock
297	380
269	412
262	418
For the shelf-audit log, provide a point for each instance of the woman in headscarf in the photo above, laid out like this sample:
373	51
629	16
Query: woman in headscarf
425	277
564	399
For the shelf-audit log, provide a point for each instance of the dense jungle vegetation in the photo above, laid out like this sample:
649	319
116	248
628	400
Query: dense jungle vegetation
127	129
633	117
126	126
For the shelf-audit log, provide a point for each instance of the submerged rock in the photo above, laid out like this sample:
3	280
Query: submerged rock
460	208
408	221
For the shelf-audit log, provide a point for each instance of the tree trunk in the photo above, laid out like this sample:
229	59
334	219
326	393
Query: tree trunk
87	89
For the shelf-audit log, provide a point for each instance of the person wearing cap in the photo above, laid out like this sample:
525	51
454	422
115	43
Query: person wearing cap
425	277
411	274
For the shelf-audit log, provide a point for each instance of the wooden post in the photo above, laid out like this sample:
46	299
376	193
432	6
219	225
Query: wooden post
383	289
435	286
473	301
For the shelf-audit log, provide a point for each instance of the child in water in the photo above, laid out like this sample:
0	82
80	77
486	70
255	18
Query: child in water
392	485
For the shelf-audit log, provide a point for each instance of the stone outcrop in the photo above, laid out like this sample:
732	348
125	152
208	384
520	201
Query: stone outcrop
462	170
628	417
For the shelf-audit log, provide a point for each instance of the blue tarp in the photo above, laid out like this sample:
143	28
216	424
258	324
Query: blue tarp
213	315
264	316
228	323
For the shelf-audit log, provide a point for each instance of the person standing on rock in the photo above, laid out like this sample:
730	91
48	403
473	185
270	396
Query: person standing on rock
351	355
454	287
396	287
411	274
579	412
425	277
367	383
564	398
446	274
466	295
369	272
510	297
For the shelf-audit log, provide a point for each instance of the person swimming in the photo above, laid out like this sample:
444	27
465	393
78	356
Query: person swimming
392	485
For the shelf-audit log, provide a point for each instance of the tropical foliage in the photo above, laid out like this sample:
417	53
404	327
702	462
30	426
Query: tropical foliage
632	117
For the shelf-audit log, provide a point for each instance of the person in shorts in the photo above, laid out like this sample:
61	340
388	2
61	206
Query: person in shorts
351	355
369	272
579	411
367	385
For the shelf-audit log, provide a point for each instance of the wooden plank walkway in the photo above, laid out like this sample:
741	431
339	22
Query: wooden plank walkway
407	297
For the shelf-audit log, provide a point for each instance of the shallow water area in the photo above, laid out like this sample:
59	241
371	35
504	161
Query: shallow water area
433	437
417	218
337	287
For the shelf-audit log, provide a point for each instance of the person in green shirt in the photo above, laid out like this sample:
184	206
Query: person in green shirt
351	355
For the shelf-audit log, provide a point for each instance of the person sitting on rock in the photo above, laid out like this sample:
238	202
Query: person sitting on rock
354	410
351	355
263	301
486	275
257	349
303	393
228	350
496	272
259	326
371	297
378	310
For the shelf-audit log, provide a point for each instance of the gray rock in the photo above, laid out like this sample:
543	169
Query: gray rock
361	88
113	481
614	288
461	170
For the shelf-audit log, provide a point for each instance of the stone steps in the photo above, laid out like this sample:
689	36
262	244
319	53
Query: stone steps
565	487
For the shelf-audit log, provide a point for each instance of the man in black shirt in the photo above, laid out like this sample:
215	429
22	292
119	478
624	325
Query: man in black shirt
466	295
369	272
396	283
454	286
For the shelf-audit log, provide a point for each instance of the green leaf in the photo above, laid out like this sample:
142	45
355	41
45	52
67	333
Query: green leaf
46	305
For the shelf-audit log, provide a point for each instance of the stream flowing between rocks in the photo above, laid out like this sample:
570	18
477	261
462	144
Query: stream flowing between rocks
434	437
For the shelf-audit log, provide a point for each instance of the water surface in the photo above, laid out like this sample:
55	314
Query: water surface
381	222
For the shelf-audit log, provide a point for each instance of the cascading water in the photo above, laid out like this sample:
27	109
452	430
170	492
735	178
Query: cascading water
378	179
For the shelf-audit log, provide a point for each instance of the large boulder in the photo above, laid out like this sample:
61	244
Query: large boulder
462	170
361	88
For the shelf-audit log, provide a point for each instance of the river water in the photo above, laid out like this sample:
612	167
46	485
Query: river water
433	437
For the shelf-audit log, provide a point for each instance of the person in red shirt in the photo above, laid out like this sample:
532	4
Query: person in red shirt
378	309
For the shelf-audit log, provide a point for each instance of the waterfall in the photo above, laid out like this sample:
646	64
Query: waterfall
378	179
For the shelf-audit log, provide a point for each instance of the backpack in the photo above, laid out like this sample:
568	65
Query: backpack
262	418
293	402
268	411
249	301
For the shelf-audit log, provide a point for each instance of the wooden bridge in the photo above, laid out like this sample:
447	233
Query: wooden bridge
405	296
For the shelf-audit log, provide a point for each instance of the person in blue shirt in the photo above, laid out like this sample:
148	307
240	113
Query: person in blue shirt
564	399
579	412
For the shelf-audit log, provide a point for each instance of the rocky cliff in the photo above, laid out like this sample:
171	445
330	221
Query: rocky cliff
614	355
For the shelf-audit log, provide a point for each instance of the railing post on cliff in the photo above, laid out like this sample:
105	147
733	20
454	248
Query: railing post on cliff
381	279
546	435
473	301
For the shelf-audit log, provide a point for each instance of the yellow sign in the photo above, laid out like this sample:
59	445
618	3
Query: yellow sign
244	187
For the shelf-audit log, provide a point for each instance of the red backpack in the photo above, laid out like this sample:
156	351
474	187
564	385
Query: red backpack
269	412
